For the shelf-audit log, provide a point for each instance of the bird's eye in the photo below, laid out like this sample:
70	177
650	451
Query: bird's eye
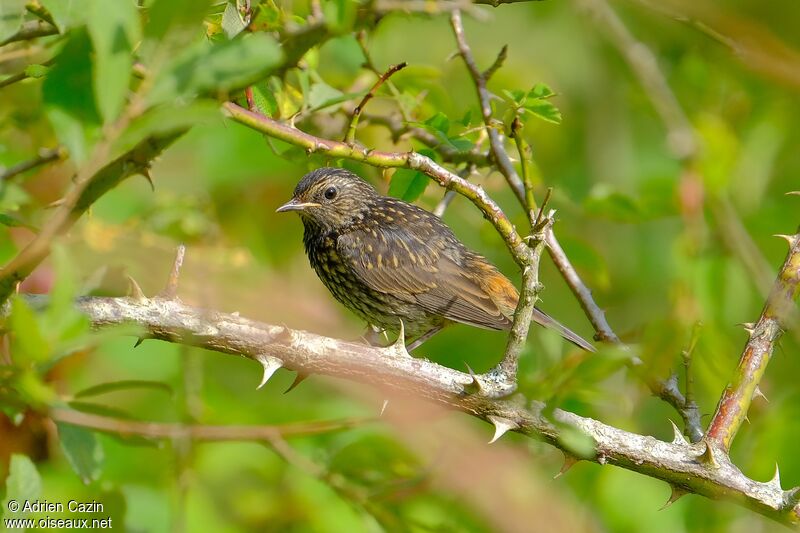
330	193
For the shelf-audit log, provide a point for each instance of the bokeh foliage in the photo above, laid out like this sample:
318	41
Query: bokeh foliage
662	247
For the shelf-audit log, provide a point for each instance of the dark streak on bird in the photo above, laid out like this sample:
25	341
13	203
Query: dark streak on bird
388	260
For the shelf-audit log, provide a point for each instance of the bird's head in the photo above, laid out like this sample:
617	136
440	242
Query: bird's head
330	198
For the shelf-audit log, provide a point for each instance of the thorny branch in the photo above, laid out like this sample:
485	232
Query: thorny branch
686	467
732	409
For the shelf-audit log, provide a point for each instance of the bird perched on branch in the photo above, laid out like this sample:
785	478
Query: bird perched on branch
387	260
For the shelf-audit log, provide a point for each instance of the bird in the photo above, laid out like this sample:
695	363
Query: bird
397	266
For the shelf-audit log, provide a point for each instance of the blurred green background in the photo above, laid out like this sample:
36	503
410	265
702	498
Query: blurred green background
663	245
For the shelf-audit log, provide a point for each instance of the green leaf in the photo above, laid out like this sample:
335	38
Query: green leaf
544	110
222	66
36	71
68	14
540	90
466	120
30	345
438	123
408	184
265	100
113	386
22	484
115	32
515	96
232	23
83	451
69	99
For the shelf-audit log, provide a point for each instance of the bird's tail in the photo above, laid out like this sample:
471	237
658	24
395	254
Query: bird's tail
543	319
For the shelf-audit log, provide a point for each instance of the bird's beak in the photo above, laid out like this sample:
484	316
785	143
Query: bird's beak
294	205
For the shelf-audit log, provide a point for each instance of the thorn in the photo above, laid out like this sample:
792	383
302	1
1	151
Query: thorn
271	365
675	494
793	193
399	346
569	461
139	341
708	457
57	203
747	419
383	408
678	435
146	175
758	394
501	426
475	386
791	239
776	479
749	327
298	379
136	291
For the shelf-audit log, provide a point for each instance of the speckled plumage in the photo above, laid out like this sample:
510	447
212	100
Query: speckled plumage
388	260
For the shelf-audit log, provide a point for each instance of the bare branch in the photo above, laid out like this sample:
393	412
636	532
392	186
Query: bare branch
499	153
45	156
31	30
351	130
170	291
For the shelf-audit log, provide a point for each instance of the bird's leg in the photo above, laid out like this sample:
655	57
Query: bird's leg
374	336
425	336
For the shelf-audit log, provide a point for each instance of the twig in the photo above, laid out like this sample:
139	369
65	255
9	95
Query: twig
530	270
499	153
523	314
361	39
735	402
45	156
201	432
351	130
522	149
687	355
31	30
170	291
678	463
498	62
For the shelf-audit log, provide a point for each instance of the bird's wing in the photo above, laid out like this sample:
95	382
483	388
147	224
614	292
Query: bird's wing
419	262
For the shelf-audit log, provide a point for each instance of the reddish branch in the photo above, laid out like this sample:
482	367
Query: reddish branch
732	409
